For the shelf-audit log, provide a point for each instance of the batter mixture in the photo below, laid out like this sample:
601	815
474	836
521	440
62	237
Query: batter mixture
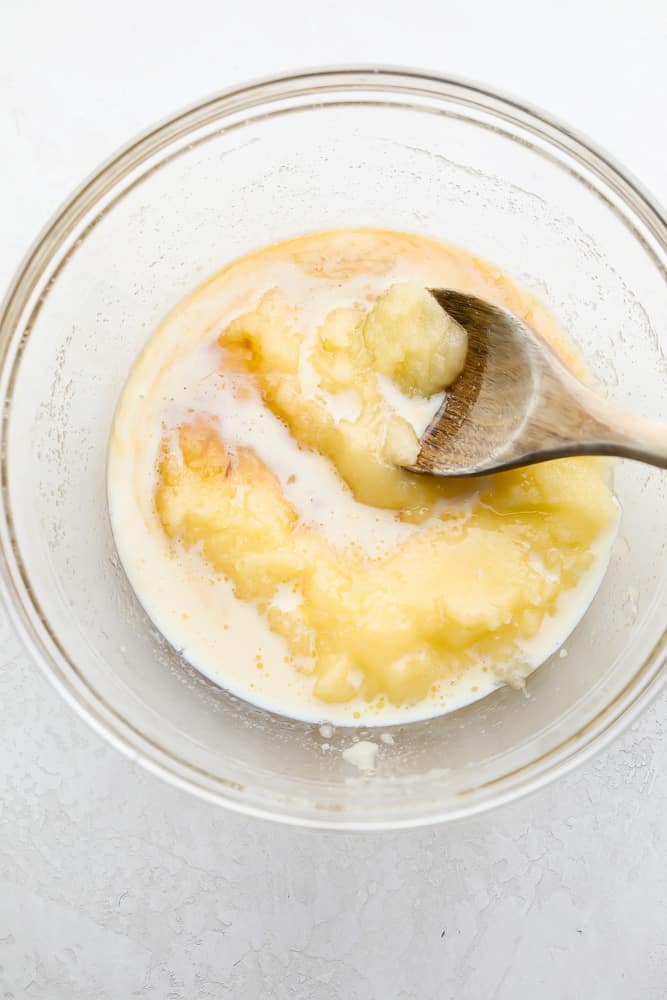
263	519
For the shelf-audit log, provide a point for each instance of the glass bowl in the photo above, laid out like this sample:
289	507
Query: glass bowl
267	161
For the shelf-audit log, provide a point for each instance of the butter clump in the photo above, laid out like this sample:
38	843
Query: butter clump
411	338
405	336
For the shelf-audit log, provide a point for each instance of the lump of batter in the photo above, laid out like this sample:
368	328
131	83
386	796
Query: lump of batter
485	563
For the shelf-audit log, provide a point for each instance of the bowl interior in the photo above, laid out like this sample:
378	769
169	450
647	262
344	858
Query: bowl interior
250	169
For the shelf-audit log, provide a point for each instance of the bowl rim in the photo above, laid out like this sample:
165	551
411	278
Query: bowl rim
17	595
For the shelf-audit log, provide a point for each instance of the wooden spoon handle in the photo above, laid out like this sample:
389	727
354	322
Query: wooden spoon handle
621	433
569	418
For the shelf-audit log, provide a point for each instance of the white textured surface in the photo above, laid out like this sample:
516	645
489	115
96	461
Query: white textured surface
113	885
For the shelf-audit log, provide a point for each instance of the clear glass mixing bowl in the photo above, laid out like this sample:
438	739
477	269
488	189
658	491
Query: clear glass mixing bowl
353	147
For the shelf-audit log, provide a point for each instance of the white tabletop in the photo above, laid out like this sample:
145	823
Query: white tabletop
114	885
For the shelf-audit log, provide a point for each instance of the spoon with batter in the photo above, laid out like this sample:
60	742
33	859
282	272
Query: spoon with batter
516	403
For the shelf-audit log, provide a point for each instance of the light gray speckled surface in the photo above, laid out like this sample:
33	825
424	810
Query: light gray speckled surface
113	885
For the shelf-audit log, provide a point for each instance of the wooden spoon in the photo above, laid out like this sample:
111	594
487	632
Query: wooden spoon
516	403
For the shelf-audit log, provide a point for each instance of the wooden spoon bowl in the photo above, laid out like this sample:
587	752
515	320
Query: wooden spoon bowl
517	403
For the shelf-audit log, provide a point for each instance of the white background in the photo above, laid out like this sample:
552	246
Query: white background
113	885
